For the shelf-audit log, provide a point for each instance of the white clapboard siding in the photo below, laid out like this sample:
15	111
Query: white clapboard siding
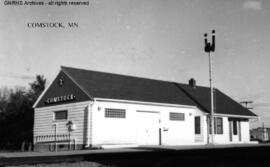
45	125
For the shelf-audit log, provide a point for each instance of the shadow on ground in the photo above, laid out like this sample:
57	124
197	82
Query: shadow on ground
221	157
151	156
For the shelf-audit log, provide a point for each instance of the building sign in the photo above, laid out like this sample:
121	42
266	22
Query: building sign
59	99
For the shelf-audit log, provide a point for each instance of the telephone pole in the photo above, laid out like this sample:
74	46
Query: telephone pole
208	48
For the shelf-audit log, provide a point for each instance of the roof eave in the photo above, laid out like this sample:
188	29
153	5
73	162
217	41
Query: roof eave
237	116
144	102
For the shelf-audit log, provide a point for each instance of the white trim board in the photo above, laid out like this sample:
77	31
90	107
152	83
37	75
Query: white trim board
143	103
236	116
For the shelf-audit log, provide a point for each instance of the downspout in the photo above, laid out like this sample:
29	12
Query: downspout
89	119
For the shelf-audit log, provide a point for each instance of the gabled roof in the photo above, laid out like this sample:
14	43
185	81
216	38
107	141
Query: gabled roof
121	87
114	86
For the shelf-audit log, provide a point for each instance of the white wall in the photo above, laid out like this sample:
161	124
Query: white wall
125	131
43	121
109	131
225	137
201	138
221	138
245	131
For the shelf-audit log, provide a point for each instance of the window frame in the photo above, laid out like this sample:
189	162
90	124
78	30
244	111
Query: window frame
121	113
216	129
61	119
197	119
234	127
218	125
173	116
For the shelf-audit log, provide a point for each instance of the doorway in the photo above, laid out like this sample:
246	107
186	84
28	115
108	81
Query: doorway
148	130
235	130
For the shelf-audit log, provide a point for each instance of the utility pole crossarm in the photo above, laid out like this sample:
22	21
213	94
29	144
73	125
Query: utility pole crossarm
246	104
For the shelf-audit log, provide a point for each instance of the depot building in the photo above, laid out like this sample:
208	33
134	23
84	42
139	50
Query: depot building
88	109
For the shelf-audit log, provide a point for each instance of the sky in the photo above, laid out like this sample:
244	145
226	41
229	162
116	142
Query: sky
147	38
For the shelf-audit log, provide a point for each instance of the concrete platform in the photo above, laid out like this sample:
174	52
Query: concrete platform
145	155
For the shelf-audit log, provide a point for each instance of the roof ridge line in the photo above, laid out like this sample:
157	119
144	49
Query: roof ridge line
127	75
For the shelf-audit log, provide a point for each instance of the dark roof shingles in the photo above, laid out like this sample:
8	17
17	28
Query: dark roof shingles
114	86
223	103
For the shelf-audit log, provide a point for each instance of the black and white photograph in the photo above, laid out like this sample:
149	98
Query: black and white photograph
117	83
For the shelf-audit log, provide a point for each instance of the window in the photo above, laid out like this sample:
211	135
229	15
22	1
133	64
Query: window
218	126
115	113
235	127
197	125
60	115
177	116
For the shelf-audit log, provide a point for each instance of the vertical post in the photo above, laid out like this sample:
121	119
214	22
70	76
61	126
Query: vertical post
89	122
55	139
159	130
263	132
208	48
69	143
212	98
159	136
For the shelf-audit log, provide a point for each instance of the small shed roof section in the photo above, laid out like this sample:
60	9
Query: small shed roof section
223	103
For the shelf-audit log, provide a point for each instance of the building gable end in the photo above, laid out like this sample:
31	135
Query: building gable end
62	90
